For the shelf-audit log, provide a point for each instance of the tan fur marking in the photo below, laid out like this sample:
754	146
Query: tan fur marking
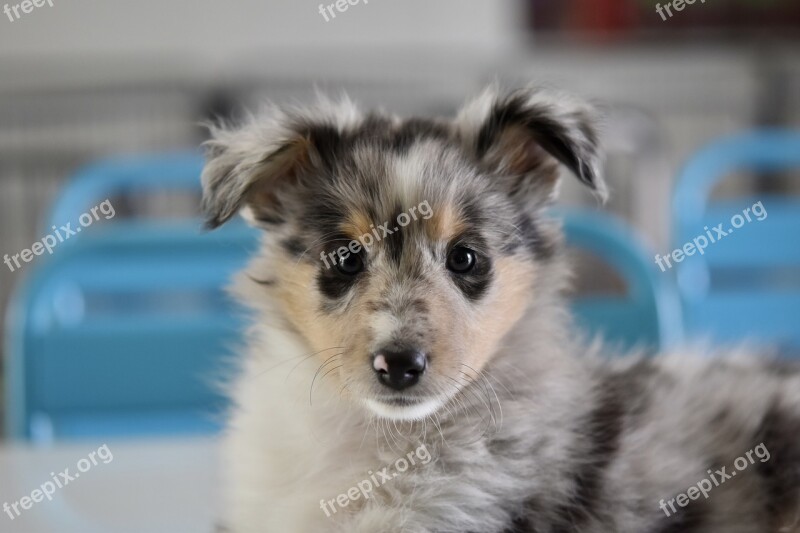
282	169
519	154
504	307
300	303
356	225
445	223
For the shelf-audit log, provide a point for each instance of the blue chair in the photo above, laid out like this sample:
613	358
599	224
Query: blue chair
647	314
746	285
121	331
126	175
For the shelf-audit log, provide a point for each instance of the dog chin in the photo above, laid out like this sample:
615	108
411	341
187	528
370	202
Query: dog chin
404	411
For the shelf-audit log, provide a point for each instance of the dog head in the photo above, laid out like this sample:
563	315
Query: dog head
407	247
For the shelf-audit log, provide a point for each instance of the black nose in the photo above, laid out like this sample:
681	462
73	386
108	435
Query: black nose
399	369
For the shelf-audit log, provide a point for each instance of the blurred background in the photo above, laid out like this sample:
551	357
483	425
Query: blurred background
88	80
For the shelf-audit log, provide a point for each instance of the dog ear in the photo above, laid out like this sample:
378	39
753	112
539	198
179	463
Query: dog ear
257	167
524	135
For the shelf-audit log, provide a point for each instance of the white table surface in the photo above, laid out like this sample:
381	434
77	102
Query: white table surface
150	486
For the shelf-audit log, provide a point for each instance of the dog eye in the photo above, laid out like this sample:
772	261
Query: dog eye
461	260
350	265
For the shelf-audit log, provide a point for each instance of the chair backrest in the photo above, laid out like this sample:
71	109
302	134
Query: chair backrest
647	312
123	332
126	175
746	283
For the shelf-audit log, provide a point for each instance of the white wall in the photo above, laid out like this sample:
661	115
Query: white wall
216	29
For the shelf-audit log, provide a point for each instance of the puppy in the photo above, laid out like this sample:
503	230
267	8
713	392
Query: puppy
407	305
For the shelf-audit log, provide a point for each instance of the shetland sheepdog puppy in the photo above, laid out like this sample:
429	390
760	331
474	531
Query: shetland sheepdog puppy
411	366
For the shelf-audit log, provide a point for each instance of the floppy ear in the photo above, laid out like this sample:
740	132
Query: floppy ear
525	135
249	166
257	166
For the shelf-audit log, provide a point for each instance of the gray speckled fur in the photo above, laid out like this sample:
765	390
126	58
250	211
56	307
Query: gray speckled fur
550	436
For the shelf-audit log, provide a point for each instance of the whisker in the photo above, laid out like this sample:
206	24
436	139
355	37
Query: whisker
304	356
323	365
